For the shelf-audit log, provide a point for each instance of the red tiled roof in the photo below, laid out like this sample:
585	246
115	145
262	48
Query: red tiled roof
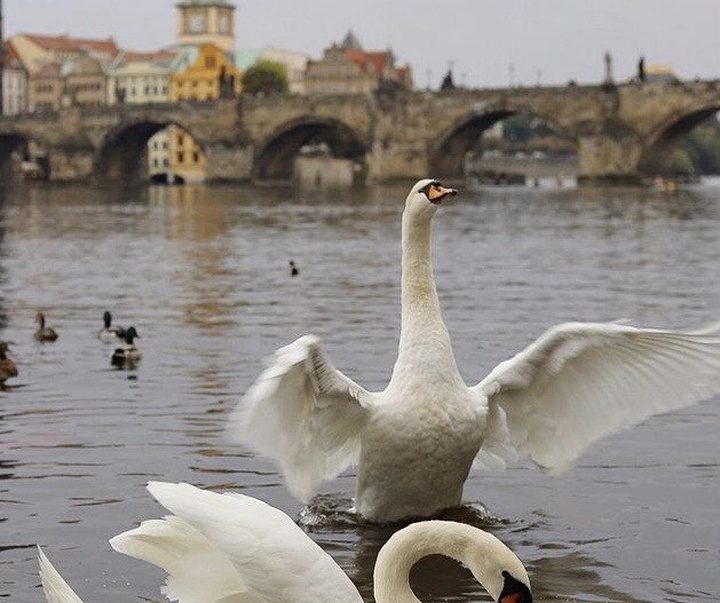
373	60
11	58
65	43
157	55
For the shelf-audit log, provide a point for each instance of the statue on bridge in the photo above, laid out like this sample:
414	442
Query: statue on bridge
448	83
609	80
641	69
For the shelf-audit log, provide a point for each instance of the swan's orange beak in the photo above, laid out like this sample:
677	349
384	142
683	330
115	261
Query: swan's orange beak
437	193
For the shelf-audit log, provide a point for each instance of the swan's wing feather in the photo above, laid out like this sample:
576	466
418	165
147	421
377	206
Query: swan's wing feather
305	414
197	571
54	586
233	548
581	381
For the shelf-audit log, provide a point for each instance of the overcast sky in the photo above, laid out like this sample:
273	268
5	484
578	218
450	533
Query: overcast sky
487	42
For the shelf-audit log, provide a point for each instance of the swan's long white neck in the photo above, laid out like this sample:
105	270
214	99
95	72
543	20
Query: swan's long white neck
482	553
421	319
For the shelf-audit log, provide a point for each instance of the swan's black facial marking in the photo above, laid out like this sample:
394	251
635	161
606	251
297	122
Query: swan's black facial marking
514	591
436	192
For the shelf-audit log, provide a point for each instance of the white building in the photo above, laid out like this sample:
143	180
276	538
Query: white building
141	78
14	83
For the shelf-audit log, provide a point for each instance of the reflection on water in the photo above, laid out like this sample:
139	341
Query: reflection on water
202	272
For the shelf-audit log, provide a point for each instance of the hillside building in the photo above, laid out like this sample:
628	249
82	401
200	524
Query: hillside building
347	68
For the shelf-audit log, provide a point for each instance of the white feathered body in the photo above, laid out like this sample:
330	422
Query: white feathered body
422	434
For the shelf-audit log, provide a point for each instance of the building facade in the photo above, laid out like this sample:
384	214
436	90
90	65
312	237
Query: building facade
346	68
14	84
84	82
45	89
62	70
141	78
211	75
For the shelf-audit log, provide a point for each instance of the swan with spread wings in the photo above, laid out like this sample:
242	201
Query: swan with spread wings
415	442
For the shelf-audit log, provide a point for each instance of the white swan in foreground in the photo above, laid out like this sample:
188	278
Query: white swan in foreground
414	443
231	548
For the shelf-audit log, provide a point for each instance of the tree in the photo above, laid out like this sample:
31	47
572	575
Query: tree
703	146
266	77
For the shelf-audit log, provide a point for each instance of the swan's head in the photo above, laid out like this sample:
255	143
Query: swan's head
514	590
498	569
425	197
491	562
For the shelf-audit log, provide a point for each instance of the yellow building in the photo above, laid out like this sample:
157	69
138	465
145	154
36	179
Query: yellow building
175	157
210	76
187	158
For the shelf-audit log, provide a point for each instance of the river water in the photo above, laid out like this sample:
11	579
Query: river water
202	272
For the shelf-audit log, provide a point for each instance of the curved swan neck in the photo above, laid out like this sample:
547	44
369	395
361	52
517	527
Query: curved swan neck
485	556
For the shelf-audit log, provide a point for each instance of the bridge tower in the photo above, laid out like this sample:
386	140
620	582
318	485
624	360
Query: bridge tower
206	21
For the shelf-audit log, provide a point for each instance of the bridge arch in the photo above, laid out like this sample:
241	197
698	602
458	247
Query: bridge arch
275	159
18	150
446	155
659	143
123	152
11	145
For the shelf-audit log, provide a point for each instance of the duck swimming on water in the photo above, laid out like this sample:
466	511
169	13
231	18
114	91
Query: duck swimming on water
7	367
127	353
414	443
110	333
44	333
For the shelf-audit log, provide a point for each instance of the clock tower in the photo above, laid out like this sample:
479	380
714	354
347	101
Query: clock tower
206	21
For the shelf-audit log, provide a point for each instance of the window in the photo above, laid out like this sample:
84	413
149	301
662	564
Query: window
224	23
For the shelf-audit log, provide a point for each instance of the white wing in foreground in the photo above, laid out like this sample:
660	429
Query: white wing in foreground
54	586
305	414
231	548
581	381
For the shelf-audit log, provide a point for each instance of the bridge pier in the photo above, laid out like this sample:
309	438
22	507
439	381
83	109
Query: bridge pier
399	160
71	164
609	160
226	162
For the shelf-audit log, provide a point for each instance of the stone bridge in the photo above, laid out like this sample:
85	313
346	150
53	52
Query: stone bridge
617	130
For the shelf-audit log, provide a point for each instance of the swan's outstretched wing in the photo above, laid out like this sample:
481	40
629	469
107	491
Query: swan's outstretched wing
54	586
231	548
581	381
305	414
